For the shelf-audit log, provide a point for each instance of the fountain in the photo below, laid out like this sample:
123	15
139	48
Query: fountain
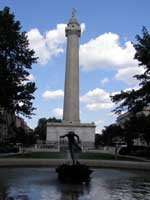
76	172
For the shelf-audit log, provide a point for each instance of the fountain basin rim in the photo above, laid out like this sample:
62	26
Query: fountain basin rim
19	162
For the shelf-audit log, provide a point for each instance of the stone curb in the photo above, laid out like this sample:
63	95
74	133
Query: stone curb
92	163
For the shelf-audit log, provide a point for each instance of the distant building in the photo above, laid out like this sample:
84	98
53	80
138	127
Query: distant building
126	116
21	123
8	121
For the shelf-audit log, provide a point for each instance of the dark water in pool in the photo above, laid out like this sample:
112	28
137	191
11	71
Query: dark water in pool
105	184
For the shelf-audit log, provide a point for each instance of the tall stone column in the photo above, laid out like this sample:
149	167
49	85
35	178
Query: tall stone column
71	116
71	93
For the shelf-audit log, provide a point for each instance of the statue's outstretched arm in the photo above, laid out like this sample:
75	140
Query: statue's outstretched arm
62	136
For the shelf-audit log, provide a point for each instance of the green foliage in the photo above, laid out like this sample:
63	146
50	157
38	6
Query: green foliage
110	133
8	148
136	100
15	60
138	127
40	130
24	137
143	49
98	140
53	119
130	132
135	127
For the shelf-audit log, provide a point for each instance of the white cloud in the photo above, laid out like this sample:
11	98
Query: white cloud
95	95
126	90
55	39
58	112
38	44
105	52
99	125
50	44
99	106
105	80
99	130
112	114
98	122
83	27
126	74
97	99
53	95
47	45
31	77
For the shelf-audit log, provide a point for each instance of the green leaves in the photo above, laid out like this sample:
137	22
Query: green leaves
143	49
135	100
16	59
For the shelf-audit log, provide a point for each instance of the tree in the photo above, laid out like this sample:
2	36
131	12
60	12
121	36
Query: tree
130	131
138	127
26	138
136	100
110	133
40	130
53	119
98	140
15	61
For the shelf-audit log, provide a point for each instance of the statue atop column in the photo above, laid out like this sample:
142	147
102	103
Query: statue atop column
74	13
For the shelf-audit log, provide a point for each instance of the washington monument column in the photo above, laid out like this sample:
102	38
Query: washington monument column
71	110
71	93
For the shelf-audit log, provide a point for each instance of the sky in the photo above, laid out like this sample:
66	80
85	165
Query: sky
106	53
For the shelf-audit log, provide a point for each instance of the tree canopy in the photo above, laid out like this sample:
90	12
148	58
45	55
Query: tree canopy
134	127
16	59
136	100
110	133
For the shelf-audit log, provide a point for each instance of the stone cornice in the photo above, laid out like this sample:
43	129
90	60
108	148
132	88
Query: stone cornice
71	124
73	32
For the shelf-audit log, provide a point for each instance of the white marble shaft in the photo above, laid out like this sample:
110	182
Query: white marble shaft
71	93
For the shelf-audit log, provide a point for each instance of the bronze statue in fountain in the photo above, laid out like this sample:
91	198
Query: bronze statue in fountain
75	172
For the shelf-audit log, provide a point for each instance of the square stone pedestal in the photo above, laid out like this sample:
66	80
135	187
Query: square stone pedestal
85	131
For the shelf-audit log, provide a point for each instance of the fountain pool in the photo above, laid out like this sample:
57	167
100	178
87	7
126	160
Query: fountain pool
105	184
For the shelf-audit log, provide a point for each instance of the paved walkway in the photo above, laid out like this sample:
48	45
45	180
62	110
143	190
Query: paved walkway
135	157
12	162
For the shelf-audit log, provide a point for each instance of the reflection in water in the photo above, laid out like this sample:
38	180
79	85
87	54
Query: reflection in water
131	188
42	184
74	191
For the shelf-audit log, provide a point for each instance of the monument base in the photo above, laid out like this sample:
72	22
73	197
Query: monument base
85	131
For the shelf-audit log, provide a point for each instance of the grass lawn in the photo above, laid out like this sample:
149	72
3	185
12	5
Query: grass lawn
58	155
104	156
46	155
